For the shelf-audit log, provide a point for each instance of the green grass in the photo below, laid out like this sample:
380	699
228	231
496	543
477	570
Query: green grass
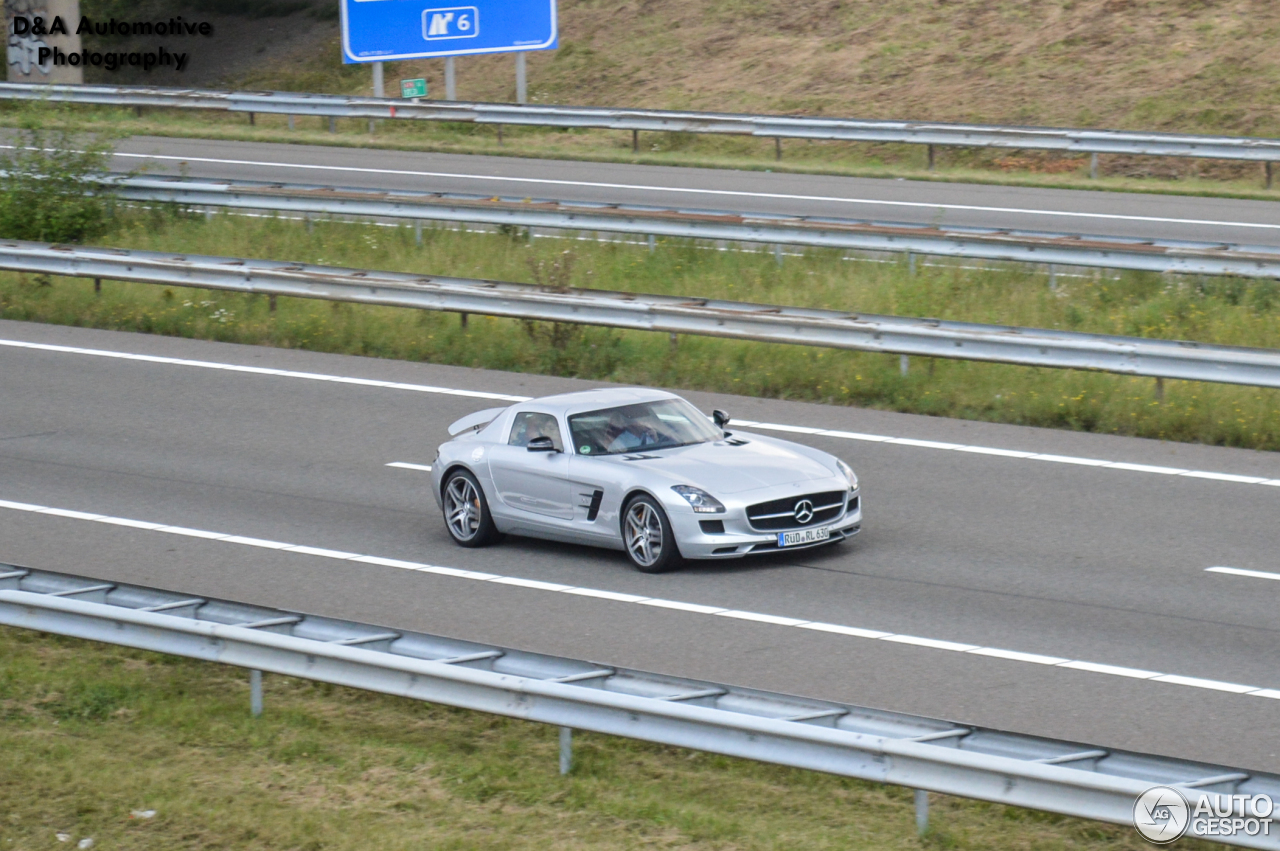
89	734
1213	310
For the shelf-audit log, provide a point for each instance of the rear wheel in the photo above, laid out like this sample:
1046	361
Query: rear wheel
466	511
646	532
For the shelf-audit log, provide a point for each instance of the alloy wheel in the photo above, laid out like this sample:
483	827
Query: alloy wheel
462	508
644	534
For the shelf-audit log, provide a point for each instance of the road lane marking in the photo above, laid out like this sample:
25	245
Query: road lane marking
731	193
657	602
1236	571
782	427
262	370
1011	453
403	465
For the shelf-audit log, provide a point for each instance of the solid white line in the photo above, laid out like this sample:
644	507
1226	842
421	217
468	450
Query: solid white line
1236	571
426	468
676	605
782	427
1010	453
734	193
261	370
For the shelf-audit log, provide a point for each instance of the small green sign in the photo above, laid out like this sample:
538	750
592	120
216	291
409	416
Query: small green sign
413	88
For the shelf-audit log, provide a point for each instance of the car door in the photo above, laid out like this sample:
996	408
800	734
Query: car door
536	482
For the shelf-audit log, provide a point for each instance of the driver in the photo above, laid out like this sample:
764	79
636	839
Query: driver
543	427
625	434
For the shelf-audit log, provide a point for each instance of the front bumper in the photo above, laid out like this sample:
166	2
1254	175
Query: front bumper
739	539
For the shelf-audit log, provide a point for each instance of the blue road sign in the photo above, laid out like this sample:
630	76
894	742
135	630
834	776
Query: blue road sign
380	30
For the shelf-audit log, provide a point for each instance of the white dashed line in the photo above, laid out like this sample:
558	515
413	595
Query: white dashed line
1232	478
1236	571
675	605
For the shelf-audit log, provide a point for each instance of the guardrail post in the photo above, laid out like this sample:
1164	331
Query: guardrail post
333	124
255	693
1053	277
1093	166
911	263
922	811
522	85
290	122
462	320
653	243
635	141
777	147
417	232
777	253
450	80
271	303
499	135
252	119
904	365
1159	389
1267	170
97	286
566	749
930	157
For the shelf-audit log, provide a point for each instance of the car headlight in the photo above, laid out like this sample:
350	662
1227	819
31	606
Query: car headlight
702	502
848	474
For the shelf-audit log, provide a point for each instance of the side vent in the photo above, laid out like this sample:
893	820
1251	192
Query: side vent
594	508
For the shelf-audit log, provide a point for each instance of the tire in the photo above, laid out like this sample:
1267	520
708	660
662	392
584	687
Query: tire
466	511
647	536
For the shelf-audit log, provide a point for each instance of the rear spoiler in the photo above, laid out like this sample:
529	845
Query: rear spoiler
475	421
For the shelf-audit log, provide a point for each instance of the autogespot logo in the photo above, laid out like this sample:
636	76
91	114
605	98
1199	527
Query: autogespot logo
1162	814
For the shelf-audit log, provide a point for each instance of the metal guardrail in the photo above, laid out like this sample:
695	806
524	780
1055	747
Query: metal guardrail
1176	256
774	126
675	314
924	753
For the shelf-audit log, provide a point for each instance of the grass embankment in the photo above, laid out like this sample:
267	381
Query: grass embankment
1211	310
90	734
1160	65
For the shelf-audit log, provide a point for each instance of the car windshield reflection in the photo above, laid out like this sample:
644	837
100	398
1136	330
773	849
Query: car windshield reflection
644	426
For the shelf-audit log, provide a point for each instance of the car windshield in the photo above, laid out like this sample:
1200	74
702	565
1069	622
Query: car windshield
643	426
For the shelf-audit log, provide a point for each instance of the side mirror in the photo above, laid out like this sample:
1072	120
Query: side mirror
720	418
541	444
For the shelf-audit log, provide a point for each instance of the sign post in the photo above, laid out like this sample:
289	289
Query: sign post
378	32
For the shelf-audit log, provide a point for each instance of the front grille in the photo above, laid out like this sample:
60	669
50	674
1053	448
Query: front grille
781	513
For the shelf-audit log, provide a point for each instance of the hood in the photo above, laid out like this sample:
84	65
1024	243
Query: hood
723	468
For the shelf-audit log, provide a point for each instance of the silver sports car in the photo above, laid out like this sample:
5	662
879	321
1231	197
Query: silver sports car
641	471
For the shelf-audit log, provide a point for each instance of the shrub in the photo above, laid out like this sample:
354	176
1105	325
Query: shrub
48	176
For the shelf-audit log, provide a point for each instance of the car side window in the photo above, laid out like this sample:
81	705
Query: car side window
527	425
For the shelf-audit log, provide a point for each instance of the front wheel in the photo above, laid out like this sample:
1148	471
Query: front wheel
647	534
466	511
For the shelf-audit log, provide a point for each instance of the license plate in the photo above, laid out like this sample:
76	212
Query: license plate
804	536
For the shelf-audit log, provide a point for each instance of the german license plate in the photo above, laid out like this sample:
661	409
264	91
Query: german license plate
804	536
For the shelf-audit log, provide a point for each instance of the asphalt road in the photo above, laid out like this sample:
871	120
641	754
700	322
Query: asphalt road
1068	211
1105	565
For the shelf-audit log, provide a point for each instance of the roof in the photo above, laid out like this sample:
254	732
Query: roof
590	400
